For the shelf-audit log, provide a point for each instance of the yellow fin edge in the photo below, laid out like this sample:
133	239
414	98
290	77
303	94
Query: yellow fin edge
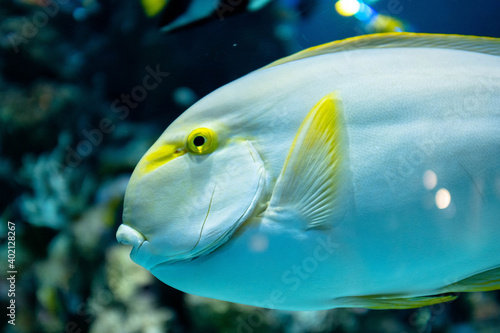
487	45
310	179
485	281
380	302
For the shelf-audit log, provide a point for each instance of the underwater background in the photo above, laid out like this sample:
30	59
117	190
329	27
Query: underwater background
76	116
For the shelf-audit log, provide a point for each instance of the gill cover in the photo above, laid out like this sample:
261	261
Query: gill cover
189	193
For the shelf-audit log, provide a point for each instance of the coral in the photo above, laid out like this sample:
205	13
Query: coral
59	193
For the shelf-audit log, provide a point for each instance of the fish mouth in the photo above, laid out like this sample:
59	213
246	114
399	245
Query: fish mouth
129	236
141	247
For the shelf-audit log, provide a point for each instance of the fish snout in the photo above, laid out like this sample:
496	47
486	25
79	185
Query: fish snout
129	236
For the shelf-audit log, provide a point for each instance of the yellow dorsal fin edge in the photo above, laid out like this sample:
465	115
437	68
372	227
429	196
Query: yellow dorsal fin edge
487	45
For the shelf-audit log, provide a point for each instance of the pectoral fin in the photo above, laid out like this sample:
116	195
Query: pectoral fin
380	302
311	178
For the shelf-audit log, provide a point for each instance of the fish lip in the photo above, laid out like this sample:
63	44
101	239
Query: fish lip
130	236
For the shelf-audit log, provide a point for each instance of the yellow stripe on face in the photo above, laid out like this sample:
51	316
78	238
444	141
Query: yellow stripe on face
160	156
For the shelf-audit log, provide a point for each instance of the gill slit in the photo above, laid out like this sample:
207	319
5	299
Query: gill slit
206	217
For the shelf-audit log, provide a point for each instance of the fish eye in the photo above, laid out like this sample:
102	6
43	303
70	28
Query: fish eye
202	141
199	141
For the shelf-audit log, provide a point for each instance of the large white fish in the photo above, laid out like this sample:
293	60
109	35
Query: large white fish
360	173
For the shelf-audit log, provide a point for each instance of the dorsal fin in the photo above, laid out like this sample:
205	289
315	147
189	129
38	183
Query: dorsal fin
487	45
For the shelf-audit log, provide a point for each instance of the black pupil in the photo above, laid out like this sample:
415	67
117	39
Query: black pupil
199	141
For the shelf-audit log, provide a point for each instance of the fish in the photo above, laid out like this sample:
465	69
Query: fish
175	14
358	173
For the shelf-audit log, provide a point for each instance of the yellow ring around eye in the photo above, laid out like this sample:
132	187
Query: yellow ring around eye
202	141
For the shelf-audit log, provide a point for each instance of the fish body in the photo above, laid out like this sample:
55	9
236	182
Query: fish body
305	185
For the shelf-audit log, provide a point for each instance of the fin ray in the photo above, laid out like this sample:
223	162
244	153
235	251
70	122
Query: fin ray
310	179
485	281
381	302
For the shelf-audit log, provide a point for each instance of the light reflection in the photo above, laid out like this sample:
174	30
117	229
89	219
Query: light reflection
443	198
259	243
365	13
384	23
430	180
373	21
347	7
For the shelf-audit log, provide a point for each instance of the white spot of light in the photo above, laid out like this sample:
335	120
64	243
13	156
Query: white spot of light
430	180
347	7
443	198
184	96
259	243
